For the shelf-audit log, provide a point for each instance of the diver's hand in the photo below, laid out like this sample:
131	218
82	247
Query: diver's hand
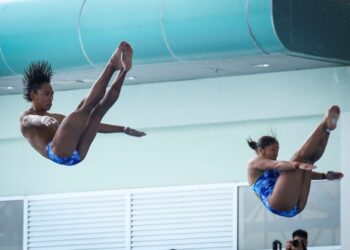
307	166
48	120
133	132
334	175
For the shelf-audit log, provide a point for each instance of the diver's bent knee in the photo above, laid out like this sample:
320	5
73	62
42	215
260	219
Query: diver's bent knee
81	113
300	156
81	104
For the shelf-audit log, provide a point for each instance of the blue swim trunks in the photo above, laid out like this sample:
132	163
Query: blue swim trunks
263	188
68	161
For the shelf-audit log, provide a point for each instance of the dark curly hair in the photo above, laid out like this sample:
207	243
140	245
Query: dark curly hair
34	76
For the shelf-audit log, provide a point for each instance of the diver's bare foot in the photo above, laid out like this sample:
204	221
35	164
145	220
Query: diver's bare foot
115	59
126	58
331	117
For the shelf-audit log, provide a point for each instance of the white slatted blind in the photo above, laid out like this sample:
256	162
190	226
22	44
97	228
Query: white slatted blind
184	219
77	222
181	218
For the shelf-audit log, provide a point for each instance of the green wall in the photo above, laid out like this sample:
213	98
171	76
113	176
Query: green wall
196	132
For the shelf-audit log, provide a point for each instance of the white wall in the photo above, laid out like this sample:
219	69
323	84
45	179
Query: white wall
196	132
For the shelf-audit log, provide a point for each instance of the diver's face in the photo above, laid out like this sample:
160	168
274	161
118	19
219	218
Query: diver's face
270	152
42	98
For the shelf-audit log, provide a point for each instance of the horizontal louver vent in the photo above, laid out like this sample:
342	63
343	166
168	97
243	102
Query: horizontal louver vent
73	223
187	219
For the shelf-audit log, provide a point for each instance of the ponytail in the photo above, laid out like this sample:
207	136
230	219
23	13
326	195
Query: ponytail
252	144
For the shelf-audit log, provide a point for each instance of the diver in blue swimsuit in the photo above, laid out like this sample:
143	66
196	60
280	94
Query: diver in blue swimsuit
283	186
66	139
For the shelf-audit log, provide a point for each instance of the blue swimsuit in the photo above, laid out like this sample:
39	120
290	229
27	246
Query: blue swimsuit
68	161
263	188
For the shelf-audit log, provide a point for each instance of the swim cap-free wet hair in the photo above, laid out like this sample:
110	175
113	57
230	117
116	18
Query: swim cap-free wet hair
263	142
35	75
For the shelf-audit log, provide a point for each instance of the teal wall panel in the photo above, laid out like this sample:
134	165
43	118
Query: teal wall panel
4	68
104	25
83	34
197	28
262	27
41	30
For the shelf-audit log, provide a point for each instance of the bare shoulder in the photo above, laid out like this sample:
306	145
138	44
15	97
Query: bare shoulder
24	114
22	121
253	162
253	171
